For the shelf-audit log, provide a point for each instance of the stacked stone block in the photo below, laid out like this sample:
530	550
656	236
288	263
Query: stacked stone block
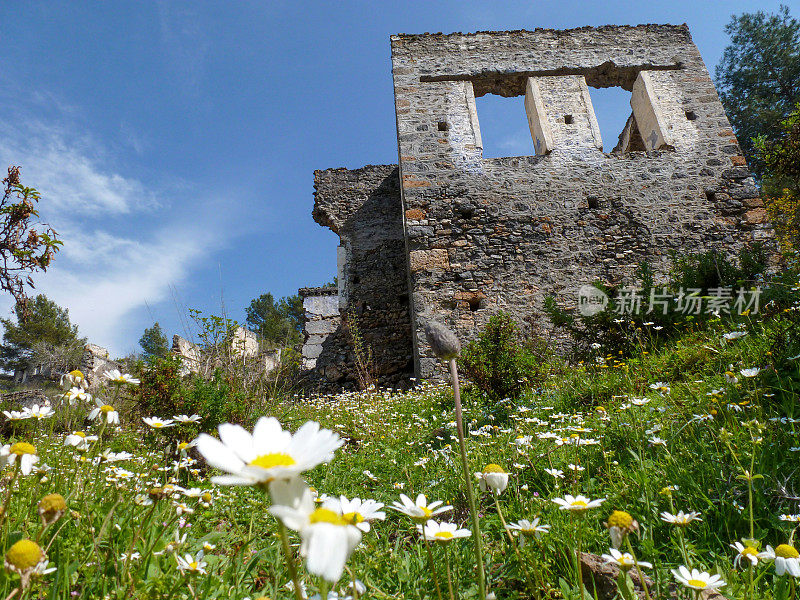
471	236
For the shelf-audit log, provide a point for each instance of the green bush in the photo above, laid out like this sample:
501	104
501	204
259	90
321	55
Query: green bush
163	392
215	401
160	391
498	364
620	333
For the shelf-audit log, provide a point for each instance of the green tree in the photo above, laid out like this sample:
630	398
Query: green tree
758	77
781	159
154	342
277	322
291	307
47	325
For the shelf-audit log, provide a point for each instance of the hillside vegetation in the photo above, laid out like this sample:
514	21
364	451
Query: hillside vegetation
705	422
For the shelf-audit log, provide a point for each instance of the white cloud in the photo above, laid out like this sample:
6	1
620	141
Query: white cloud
116	276
69	172
122	249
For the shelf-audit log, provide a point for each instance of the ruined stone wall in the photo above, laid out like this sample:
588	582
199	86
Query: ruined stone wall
484	235
322	320
363	208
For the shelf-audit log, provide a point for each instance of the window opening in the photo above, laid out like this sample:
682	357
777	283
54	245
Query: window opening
504	128
612	107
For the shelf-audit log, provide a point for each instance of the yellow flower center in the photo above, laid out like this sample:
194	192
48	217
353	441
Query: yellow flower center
749	550
206	497
183	445
786	551
697	583
79	434
353	518
24	555
193	565
621	519
52	503
425	510
76	374
107	408
492	468
157	425
443	535
326	515
21	448
579	504
272	459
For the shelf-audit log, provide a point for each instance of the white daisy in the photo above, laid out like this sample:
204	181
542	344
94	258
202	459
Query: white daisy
327	538
17	415
734	335
528	529
419	510
116	377
74	379
493	477
697	580
790	518
157	423
360	512
624	560
661	387
269	453
79	440
743	553
192	564
76	393
442	532
786	557
681	519
184	419
577	504
44	411
105	412
751	372
23	452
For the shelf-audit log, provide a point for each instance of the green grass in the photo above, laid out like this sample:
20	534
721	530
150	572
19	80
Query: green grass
404	442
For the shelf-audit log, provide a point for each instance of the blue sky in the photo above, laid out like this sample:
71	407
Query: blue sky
174	143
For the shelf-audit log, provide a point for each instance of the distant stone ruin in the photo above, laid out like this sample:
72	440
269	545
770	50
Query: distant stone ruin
451	235
95	363
189	354
244	345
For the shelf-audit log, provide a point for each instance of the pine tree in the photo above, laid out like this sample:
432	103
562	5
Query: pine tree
47	326
154	342
278	322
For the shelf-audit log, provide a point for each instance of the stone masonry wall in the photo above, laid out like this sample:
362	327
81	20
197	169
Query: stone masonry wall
363	208
322	326
484	235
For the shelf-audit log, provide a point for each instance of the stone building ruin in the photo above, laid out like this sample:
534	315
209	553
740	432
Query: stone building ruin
451	235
